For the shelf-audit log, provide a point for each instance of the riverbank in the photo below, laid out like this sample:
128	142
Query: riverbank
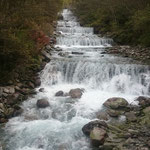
13	93
137	53
129	133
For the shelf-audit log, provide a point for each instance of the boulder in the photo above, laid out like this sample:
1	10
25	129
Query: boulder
131	116
113	113
90	126
59	93
76	93
116	103
147	111
37	82
98	136
102	116
143	101
41	90
42	103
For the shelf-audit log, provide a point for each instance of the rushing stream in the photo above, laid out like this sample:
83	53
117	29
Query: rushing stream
81	64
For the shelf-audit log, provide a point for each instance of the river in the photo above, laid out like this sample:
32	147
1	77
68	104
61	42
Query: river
82	63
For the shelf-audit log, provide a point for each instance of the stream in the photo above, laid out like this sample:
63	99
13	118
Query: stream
82	63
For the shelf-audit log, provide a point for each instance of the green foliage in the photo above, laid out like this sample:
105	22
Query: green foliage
128	22
18	19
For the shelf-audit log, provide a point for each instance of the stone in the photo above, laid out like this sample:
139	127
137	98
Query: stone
46	55
76	93
18	112
116	103
90	126
147	111
42	103
113	113
98	136
130	116
31	85
59	93
143	101
37	82
41	90
77	53
103	116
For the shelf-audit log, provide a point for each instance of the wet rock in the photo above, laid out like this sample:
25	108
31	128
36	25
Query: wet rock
98	136
147	111
90	126
76	93
42	103
102	116
9	90
116	103
131	116
113	113
31	85
77	53
143	101
47	56
18	111
37	82
59	93
41	90
30	118
1	146
3	120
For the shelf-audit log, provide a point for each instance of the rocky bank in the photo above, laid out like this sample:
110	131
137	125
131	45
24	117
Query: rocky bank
141	54
131	133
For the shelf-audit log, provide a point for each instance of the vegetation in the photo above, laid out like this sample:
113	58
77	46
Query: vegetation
127	21
24	25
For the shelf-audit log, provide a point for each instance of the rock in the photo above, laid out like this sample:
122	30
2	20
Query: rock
113	113
18	111
37	82
147	111
148	143
46	55
76	93
31	85
42	103
30	118
90	126
59	93
3	120
9	90
1	91
116	103
131	116
103	116
41	90
48	47
77	53
143	101
98	136
1	146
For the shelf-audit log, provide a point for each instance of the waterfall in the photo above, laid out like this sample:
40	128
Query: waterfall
81	63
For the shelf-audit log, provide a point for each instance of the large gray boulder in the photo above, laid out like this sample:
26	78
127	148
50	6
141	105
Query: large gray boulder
42	103
116	103
76	93
98	136
91	125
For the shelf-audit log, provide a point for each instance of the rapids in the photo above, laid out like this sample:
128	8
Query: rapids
80	64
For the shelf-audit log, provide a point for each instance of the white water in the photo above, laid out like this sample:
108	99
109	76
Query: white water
58	127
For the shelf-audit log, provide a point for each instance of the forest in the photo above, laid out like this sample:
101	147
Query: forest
127	21
24	25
